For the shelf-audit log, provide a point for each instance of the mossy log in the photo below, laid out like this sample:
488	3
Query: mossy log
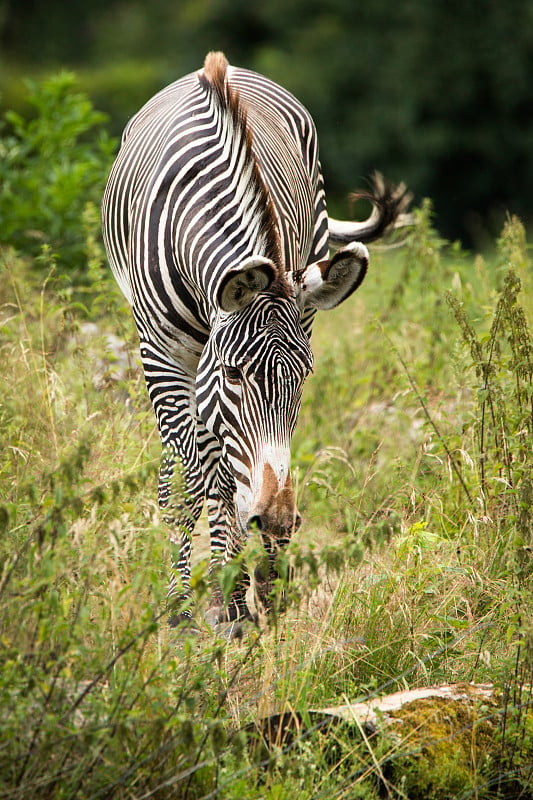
436	742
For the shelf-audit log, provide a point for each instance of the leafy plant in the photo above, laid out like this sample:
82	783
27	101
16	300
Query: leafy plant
412	464
503	363
50	166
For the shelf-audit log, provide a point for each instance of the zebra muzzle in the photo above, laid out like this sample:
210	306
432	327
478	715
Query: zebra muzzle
275	514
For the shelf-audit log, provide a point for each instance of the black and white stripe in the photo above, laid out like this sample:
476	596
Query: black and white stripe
215	224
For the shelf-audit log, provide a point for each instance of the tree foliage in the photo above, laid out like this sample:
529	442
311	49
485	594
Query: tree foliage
436	94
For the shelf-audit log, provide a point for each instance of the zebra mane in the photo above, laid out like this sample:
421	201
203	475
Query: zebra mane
215	79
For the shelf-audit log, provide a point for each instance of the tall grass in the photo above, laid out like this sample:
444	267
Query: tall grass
412	463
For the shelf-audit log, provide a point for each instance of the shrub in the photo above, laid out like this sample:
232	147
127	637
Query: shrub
50	167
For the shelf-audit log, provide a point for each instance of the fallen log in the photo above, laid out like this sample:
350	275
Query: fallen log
437	741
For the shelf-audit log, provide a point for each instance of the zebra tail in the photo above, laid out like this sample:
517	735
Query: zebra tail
389	211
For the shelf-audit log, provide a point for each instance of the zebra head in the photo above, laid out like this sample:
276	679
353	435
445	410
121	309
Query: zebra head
250	380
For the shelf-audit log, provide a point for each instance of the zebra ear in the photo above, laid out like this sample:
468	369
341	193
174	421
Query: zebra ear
326	284
240	285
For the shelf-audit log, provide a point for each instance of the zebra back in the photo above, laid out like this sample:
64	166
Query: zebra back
225	152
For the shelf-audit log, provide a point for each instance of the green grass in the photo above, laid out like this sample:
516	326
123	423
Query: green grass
412	462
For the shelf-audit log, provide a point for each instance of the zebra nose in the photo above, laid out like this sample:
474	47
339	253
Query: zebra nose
256	522
259	522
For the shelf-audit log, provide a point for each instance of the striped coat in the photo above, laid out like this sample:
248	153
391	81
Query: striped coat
216	229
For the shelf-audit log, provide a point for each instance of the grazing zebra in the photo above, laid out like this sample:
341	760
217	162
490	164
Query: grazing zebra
215	225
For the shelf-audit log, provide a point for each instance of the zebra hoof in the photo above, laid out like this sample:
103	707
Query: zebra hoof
229	630
217	619
214	616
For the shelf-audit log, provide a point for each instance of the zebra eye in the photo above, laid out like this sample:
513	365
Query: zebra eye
233	374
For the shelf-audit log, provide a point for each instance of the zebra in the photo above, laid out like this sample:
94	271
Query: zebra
216	229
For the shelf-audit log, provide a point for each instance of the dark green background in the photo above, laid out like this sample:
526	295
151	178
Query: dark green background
438	94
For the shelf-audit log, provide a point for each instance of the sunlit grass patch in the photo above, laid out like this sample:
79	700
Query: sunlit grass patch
412	463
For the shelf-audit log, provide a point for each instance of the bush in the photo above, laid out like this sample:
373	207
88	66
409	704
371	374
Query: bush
51	166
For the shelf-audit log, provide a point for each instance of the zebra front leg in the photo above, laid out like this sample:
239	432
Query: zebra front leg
223	557
274	567
180	500
219	496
